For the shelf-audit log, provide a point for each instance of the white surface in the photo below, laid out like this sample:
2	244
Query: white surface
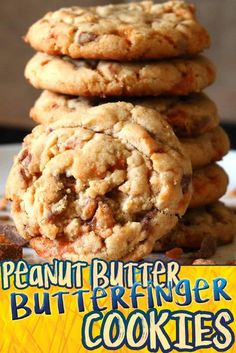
7	153
229	164
223	254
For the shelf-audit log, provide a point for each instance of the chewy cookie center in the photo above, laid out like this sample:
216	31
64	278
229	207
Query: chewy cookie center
100	183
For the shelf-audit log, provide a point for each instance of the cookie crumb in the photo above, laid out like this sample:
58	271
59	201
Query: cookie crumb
231	193
174	253
204	262
4	218
231	262
208	248
3	204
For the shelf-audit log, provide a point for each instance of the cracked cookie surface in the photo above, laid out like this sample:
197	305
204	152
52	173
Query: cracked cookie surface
202	149
188	115
120	32
94	187
108	78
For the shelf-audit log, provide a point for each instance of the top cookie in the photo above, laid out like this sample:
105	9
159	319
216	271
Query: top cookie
98	187
120	32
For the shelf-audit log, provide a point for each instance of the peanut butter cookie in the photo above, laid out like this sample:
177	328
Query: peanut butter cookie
215	220
206	148
209	185
202	149
120	32
107	184
108	78
188	115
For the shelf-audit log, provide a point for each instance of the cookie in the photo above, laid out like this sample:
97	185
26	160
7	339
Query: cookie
202	150
209	185
120	32
108	78
94	187
188	115
206	148
215	220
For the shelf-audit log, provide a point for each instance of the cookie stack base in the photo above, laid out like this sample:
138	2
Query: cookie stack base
215	221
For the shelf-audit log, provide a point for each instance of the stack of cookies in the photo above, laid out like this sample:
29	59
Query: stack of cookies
123	122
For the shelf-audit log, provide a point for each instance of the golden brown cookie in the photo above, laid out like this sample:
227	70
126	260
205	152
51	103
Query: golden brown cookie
188	115
100	187
120	32
215	220
206	148
108	78
202	150
209	185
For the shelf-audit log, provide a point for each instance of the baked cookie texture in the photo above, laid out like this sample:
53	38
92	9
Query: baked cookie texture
202	149
131	31
188	115
215	221
94	187
108	78
209	185
206	148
